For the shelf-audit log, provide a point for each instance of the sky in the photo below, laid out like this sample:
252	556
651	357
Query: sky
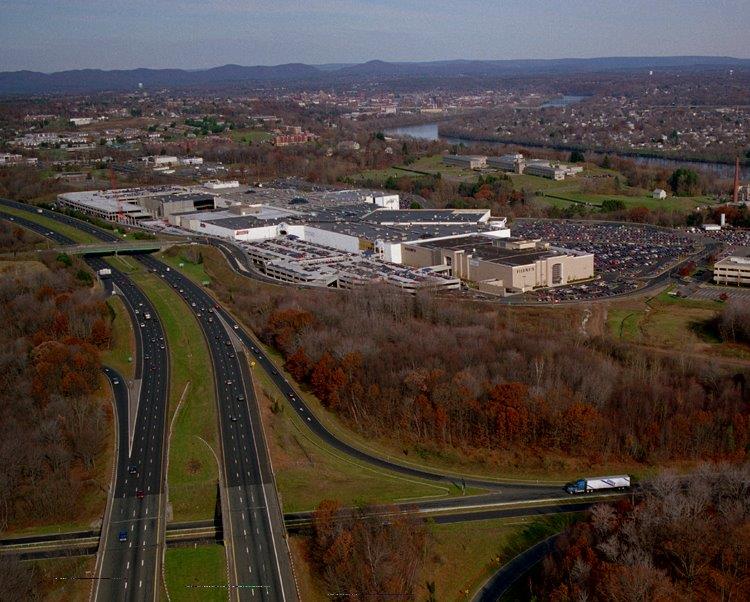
54	35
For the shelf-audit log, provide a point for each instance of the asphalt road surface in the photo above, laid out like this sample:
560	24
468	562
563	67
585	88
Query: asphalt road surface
255	481
132	543
259	563
510	572
129	563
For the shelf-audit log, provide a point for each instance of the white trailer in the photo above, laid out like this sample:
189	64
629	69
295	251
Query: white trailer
594	484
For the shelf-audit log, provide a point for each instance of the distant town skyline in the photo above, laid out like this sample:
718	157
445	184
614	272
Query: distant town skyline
189	34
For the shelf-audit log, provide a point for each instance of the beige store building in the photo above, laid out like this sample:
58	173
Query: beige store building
501	265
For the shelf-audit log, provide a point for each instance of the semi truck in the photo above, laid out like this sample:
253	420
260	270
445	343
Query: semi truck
597	484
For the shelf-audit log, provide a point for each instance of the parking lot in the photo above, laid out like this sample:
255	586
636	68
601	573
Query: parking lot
716	293
624	254
624	250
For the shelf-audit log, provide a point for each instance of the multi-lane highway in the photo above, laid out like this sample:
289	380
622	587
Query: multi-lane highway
132	541
507	487
253	526
258	558
132	544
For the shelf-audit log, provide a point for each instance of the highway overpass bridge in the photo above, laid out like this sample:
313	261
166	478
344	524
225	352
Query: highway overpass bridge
115	248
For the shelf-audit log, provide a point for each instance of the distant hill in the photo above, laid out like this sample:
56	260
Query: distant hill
95	80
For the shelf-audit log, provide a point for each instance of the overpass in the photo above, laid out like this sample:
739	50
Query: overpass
116	247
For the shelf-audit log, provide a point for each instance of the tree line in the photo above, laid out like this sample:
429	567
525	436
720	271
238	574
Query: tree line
53	423
686	538
440	375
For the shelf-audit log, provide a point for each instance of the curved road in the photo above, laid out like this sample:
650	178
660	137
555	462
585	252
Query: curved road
128	569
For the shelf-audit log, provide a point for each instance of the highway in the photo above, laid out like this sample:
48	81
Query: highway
509	489
252	522
84	543
129	569
259	561
258	556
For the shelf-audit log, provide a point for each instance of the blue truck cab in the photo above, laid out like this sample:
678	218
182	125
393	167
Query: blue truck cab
578	486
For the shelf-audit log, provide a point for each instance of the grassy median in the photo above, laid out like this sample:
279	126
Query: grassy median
193	471
196	573
121	356
39	218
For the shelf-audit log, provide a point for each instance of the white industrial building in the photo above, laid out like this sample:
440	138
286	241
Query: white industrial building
105	207
466	161
733	268
514	163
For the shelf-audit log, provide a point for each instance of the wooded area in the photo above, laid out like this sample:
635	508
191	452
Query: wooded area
52	423
688	538
438	374
364	556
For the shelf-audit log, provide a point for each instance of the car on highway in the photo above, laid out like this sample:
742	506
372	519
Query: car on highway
132	469
233	418
240	398
115	381
139	494
143	325
236	327
122	536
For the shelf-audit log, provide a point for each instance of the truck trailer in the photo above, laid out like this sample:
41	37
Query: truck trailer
596	484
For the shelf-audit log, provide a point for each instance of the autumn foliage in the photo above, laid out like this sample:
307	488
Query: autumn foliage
52	426
686	539
438	374
361	554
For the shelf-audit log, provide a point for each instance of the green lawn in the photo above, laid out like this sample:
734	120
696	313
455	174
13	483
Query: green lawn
193	471
250	136
120	356
624	324
309	471
197	573
194	270
467	554
72	233
671	203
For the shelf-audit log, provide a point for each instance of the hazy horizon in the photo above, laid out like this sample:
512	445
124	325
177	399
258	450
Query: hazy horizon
99	34
376	59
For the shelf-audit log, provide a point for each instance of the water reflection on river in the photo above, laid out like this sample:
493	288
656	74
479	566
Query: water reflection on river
429	131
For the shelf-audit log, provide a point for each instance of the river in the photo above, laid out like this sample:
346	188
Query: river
430	131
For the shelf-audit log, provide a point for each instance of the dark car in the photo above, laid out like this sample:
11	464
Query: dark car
139	494
122	536
132	469
240	398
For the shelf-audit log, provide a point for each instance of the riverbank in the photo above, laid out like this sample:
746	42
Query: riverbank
434	132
